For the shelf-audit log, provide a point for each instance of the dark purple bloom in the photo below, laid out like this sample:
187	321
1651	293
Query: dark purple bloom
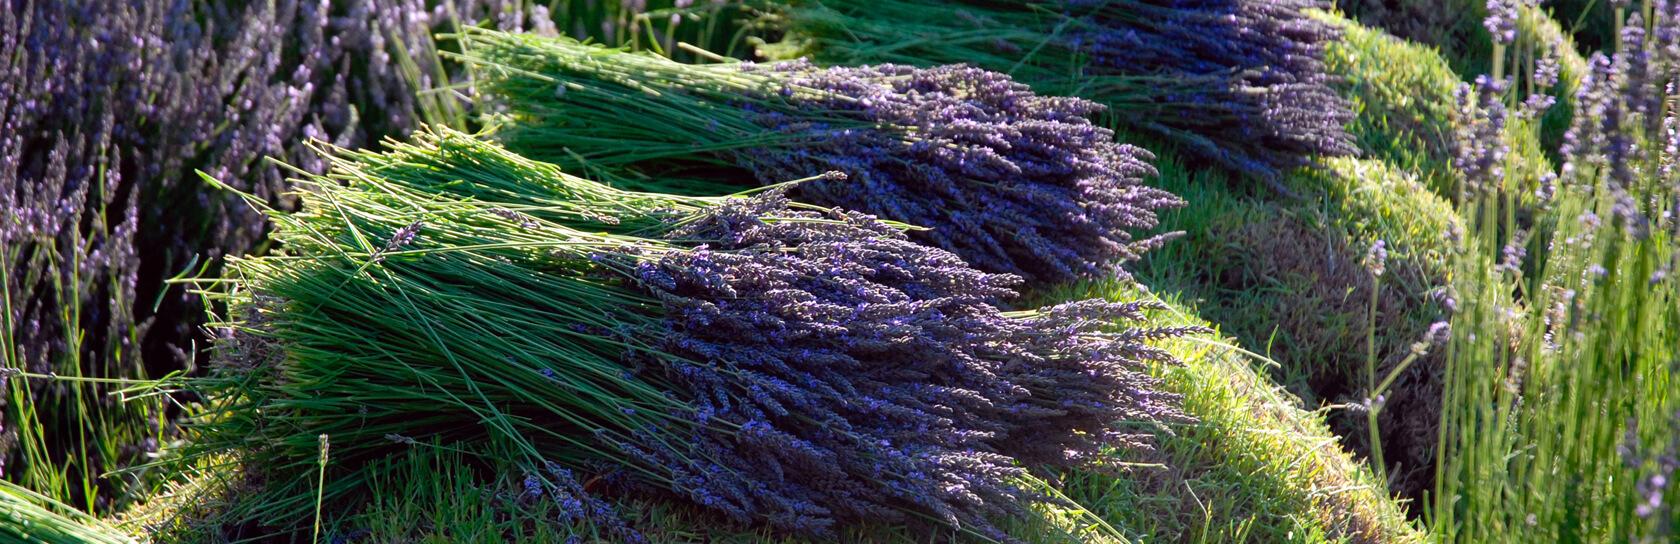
1479	144
404	236
1501	21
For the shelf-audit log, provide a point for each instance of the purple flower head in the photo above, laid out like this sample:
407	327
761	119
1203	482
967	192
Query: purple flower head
403	236
1479	144
1501	21
1376	258
1546	70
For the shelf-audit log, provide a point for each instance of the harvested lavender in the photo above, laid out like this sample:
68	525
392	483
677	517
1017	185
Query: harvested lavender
801	369
1011	181
1237	82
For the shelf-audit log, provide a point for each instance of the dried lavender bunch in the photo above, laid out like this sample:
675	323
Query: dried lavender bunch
1011	181
106	109
798	368
1237	82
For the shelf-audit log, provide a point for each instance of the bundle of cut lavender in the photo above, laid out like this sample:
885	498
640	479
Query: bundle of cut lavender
1010	181
788	366
1238	82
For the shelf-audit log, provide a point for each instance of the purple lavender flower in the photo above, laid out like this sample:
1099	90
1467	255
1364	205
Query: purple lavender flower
1658	463
1257	96
1501	21
404	236
1618	104
1546	71
1376	258
1479	144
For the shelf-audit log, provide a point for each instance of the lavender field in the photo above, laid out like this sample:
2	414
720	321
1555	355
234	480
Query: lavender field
756	271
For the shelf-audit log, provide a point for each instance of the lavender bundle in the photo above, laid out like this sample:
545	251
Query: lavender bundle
1237	82
1010	181
797	368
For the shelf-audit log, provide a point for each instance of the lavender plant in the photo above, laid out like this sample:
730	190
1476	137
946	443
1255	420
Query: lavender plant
798	368
1010	181
1240	83
1560	381
106	107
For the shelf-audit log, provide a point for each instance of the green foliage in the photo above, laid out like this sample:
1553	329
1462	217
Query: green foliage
1560	384
1286	277
1402	95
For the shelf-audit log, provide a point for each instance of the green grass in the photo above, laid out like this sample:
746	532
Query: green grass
1403	95
1454	27
1255	468
1284	277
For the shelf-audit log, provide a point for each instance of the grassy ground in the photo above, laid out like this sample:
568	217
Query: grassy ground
1256	467
1454	29
1286	278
